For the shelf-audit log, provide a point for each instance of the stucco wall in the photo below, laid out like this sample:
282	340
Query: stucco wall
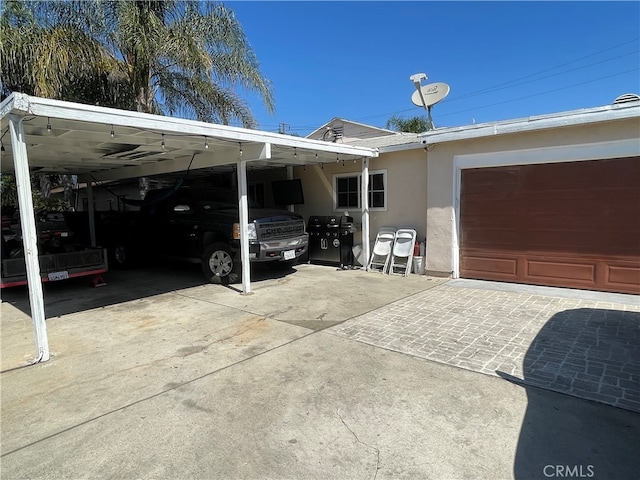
406	191
440	201
420	185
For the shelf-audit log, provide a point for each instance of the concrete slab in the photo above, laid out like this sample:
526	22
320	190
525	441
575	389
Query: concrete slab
322	407
185	380
317	297
587	345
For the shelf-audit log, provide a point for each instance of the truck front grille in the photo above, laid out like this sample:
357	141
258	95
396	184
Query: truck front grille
280	230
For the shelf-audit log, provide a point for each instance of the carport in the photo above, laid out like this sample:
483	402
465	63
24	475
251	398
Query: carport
100	144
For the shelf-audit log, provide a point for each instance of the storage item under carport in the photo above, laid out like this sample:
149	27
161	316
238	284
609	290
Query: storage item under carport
331	240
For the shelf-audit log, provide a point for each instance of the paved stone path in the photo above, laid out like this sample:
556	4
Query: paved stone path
586	348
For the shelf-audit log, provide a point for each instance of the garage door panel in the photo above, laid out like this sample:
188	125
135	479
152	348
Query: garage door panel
622	175
492	203
502	239
564	239
501	267
573	224
610	274
508	178
625	276
561	270
566	204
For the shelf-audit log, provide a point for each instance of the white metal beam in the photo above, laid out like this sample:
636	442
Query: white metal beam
29	237
364	202
243	205
170	125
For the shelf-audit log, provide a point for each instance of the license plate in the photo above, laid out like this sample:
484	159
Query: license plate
53	276
289	254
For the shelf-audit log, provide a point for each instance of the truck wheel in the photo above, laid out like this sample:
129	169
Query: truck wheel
120	256
219	266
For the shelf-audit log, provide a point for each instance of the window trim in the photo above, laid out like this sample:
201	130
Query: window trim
358	175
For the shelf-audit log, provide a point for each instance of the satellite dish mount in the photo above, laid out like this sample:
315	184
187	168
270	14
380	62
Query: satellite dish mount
427	96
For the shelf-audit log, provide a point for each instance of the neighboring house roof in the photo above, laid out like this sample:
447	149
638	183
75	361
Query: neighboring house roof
387	141
347	131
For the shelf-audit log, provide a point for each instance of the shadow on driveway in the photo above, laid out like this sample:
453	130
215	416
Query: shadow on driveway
76	295
593	354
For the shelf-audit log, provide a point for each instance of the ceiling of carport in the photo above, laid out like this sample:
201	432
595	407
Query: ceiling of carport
110	144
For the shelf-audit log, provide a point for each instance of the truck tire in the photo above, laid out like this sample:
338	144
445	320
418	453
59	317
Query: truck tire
219	266
120	256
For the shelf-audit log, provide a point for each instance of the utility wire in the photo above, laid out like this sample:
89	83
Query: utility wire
540	93
556	67
507	84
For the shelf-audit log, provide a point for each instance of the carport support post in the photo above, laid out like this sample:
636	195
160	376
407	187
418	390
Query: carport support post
244	222
364	201
92	219
291	208
29	237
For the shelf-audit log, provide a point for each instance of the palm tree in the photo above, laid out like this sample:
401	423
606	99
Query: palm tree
413	124
52	60
183	58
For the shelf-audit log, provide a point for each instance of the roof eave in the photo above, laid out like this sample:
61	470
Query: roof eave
544	122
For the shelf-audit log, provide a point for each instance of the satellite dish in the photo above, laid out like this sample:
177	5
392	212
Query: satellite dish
432	94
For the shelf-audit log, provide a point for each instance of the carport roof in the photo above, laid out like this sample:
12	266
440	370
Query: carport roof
111	144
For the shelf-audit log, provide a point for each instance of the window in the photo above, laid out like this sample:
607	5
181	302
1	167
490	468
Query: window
347	192
377	192
346	189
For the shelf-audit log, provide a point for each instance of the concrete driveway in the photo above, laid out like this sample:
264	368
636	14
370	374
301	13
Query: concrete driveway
159	376
585	344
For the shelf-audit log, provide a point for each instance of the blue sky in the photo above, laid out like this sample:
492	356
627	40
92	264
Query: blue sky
502	60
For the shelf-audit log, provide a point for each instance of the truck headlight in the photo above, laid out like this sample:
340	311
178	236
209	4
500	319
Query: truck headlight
251	230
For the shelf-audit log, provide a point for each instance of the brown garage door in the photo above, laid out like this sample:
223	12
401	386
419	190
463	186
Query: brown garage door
573	224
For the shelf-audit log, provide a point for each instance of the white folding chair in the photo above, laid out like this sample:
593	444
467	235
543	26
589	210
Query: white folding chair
381	253
402	253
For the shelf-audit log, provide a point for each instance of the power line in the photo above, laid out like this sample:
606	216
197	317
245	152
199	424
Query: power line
538	94
556	67
508	84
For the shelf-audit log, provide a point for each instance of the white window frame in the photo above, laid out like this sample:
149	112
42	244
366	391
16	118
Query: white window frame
382	172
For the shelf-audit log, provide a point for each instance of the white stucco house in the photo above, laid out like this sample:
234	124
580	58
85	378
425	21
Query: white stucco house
548	200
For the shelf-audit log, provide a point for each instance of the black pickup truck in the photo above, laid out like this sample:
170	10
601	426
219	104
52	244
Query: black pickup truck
202	226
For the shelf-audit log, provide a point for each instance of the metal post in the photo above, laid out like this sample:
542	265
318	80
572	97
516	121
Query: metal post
29	237
244	221
91	210
364	202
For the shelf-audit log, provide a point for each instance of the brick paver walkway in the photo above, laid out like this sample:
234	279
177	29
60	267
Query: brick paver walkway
589	349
